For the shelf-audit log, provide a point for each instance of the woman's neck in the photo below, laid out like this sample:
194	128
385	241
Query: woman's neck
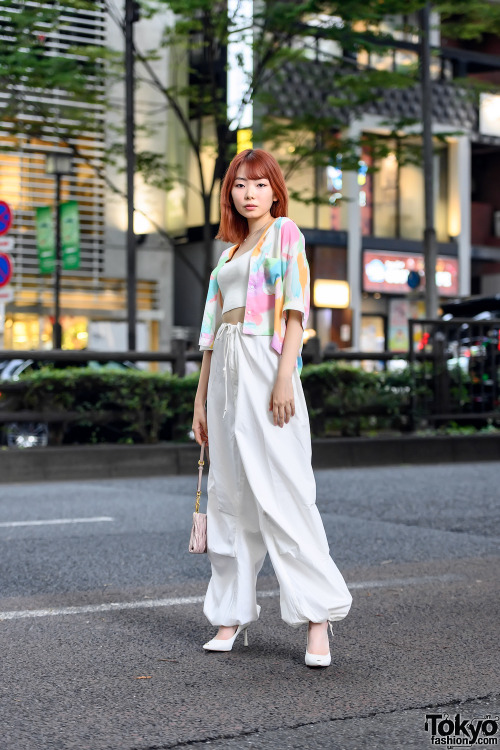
260	223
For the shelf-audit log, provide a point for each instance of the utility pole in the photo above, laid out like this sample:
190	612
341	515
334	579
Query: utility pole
131	16
430	243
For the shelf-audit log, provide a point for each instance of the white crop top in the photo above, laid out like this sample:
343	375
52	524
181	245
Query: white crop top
233	282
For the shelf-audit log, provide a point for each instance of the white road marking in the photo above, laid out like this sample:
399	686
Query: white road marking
174	602
54	521
396	582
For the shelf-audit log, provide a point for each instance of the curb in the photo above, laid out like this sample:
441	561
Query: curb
67	463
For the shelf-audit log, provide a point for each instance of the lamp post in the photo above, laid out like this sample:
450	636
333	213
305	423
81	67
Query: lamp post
430	242
131	17
58	165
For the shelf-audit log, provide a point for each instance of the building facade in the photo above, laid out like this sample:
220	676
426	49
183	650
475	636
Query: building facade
93	297
369	232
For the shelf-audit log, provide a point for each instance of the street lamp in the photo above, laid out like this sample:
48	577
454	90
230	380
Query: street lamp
430	242
58	165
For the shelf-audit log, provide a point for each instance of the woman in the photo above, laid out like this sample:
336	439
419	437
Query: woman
261	488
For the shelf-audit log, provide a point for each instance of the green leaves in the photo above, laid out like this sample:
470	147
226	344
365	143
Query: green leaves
115	406
347	400
36	63
470	19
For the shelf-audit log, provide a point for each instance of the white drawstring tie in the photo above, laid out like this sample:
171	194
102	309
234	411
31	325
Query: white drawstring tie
231	330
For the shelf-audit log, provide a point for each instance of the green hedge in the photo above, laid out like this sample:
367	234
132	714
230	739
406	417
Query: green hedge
125	406
350	401
135	406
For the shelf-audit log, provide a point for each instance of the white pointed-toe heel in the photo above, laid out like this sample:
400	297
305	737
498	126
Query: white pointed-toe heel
226	644
318	660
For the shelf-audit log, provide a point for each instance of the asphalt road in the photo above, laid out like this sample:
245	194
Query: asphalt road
101	619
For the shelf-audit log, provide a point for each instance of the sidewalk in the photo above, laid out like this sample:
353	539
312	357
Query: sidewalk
163	459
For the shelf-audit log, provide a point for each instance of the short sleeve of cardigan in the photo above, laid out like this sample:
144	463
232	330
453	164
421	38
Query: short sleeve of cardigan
296	278
212	316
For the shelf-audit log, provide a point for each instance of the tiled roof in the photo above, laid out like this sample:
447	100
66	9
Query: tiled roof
306	87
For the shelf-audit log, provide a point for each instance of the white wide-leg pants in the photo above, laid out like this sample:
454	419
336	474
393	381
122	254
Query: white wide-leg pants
262	493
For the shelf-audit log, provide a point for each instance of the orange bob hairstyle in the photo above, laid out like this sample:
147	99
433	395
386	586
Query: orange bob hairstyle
259	164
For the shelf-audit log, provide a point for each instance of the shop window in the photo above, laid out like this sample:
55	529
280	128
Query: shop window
372	333
22	331
335	190
398	193
372	339
74	332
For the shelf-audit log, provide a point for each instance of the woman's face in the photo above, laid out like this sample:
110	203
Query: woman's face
252	198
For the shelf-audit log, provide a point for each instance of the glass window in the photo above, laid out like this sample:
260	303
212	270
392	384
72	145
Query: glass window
334	187
398	194
22	331
385	191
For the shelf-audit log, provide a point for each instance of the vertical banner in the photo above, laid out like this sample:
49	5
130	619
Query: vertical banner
70	235
45	239
399	313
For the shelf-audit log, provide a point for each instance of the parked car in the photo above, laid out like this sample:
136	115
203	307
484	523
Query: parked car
472	306
475	346
36	434
468	341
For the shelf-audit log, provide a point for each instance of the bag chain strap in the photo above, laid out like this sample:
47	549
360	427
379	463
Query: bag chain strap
201	464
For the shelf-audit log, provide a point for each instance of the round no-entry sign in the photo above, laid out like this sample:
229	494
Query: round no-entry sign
5	217
5	269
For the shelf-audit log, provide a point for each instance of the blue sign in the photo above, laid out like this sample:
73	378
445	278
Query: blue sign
413	279
5	217
5	269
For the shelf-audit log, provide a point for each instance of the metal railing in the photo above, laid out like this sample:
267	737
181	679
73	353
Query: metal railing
180	354
455	368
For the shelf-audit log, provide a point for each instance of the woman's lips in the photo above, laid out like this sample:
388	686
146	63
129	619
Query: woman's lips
250	206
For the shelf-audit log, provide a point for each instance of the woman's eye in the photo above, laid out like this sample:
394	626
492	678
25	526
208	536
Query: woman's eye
262	184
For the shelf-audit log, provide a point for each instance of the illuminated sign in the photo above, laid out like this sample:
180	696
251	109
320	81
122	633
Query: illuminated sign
387	273
489	114
331	293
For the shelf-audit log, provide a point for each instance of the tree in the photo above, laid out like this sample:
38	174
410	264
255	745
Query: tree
35	67
265	41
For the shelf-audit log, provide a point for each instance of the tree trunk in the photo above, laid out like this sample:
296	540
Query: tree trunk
207	251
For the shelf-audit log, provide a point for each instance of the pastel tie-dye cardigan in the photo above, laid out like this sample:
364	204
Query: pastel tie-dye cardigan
278	281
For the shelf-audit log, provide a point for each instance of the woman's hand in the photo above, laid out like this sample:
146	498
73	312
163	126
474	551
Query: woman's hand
200	424
200	415
282	402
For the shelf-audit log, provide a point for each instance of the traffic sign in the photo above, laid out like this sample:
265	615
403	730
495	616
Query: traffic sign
5	217
5	269
6	244
6	295
413	279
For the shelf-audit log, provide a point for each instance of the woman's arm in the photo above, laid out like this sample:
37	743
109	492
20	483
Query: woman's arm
282	402
200	414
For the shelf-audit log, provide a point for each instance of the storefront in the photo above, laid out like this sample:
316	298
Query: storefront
392	291
393	286
374	242
90	318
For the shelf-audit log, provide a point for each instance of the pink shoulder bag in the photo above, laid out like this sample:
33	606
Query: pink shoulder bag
198	539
